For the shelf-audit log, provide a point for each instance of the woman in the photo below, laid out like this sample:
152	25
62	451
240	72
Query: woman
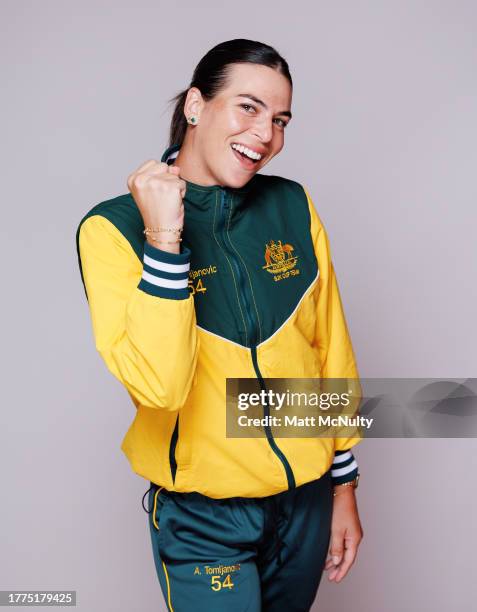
205	271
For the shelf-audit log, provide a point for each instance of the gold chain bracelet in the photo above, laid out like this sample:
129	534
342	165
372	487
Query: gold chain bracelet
344	484
153	230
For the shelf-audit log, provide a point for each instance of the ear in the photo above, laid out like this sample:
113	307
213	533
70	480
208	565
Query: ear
194	103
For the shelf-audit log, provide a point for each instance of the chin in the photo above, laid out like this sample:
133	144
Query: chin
237	180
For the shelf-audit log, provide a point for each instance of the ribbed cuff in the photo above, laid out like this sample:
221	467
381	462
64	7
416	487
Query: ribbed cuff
344	467
165	274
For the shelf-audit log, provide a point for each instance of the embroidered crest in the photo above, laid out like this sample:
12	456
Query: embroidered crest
279	257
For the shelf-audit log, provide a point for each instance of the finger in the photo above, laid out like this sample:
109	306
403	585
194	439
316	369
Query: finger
348	560
176	180
145	165
332	568
174	170
329	564
150	168
337	546
158	168
183	187
169	178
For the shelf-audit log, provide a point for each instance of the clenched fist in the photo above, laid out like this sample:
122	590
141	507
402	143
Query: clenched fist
158	191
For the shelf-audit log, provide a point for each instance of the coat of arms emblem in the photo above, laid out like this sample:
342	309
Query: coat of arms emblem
279	257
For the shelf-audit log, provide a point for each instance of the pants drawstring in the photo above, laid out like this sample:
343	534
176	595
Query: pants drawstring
143	498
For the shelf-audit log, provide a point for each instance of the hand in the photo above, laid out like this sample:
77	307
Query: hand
158	191
346	534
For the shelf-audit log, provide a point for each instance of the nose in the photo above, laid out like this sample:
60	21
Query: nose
263	129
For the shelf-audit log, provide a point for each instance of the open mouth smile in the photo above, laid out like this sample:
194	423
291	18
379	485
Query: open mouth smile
247	157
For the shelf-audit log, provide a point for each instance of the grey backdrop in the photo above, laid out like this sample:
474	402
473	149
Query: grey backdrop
383	135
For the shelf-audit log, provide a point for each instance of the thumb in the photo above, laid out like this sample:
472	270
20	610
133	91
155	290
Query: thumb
174	170
336	547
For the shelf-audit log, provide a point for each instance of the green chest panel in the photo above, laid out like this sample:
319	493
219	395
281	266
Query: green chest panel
252	260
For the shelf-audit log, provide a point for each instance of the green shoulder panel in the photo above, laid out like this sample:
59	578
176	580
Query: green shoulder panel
123	213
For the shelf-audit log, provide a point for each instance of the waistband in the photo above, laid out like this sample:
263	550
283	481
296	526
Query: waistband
273	506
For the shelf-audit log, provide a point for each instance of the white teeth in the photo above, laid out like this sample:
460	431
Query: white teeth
247	152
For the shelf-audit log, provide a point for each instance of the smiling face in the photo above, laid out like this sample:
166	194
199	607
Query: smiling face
239	130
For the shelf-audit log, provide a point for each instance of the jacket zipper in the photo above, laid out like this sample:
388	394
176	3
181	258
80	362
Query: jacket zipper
172	449
252	327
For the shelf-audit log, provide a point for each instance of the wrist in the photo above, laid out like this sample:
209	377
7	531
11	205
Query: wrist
166	238
163	246
343	487
342	490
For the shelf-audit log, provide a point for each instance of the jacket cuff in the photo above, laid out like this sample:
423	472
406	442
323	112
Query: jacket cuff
165	274
344	467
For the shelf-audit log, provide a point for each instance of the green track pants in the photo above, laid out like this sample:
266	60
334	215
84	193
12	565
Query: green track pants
239	554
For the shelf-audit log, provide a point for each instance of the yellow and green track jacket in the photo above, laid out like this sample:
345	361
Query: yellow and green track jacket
173	327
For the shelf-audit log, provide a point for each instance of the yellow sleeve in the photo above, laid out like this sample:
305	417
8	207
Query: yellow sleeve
142	314
332	336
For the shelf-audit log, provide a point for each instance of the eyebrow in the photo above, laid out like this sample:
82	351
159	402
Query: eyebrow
287	113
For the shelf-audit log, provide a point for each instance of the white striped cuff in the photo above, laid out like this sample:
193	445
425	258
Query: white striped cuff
344	467
165	274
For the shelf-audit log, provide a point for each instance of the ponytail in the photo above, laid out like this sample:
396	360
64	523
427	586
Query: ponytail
178	122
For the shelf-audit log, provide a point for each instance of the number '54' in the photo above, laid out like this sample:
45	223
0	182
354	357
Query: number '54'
216	584
199	287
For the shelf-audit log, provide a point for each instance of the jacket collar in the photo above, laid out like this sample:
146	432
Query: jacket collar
203	201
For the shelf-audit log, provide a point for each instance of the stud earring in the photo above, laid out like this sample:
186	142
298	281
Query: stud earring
192	120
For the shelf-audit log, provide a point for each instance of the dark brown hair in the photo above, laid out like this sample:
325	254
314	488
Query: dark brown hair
212	71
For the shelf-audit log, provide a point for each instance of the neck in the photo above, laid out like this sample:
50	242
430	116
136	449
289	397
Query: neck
192	166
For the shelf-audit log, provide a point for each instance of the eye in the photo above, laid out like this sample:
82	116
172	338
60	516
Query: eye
283	124
247	106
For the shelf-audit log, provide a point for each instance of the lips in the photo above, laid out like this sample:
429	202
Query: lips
252	151
245	162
